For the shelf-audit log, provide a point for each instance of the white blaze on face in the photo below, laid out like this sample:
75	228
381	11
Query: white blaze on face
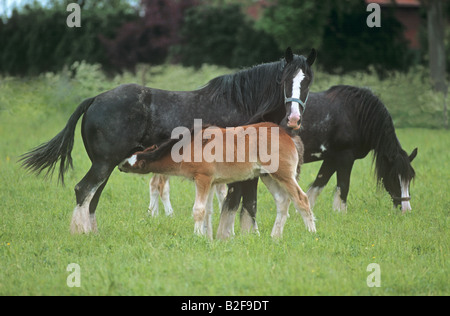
132	160
404	186
294	117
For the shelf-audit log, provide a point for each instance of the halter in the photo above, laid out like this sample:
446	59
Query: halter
401	199
303	104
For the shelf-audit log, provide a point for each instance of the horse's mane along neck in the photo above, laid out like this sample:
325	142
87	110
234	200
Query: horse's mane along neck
252	91
374	124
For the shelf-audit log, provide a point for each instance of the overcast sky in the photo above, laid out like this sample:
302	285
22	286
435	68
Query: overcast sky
6	6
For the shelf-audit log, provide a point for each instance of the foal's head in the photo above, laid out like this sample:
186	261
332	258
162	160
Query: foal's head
137	162
296	80
397	179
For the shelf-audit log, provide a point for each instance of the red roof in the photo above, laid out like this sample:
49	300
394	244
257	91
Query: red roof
400	3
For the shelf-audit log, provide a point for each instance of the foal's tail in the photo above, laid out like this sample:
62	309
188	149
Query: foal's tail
46	155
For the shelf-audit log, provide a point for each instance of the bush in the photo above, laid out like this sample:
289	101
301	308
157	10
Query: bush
147	39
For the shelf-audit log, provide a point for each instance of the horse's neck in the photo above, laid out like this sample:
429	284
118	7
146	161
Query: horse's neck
388	144
385	153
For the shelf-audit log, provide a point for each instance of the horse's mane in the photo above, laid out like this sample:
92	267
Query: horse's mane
377	131
255	91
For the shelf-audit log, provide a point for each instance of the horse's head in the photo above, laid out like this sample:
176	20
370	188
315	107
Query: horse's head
398	179
296	80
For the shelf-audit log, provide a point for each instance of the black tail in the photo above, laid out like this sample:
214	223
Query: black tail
46	155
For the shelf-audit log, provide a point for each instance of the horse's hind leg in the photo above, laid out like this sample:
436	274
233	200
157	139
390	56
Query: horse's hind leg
93	205
344	170
326	171
87	193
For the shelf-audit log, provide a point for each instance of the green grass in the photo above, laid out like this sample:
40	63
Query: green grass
134	254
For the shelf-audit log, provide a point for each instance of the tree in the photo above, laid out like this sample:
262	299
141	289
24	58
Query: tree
339	31
148	39
299	24
436	48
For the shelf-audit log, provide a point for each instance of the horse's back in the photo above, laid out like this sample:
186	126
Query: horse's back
328	125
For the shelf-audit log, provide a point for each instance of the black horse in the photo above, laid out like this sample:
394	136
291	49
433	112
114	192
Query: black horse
130	118
339	126
345	123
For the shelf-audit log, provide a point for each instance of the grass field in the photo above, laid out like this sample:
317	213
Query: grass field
134	254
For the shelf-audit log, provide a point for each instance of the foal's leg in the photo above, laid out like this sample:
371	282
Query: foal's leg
326	171
282	202
207	223
153	207
159	187
301	202
202	190
165	196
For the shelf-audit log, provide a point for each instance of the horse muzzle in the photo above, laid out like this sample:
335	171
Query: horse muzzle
404	202
294	122
124	166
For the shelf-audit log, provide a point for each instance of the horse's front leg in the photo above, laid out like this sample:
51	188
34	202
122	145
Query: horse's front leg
228	211
249	206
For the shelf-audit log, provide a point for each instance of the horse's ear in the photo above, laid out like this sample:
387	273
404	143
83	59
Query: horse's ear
413	155
289	56
311	57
